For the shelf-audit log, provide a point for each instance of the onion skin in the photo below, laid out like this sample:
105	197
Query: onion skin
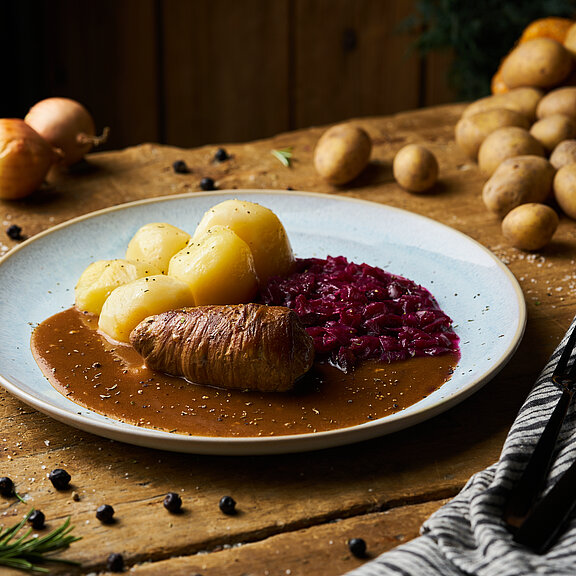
67	125
25	159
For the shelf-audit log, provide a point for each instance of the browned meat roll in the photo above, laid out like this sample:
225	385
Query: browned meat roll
245	346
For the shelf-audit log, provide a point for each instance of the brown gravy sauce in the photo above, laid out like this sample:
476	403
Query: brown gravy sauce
111	380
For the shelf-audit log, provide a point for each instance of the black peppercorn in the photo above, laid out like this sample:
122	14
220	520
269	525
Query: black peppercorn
115	562
14	232
207	184
180	167
227	505
37	519
172	502
221	155
105	514
60	478
357	546
6	487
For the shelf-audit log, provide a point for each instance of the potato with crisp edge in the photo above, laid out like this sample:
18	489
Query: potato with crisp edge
530	226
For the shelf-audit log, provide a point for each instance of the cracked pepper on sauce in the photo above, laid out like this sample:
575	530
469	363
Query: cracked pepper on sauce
112	380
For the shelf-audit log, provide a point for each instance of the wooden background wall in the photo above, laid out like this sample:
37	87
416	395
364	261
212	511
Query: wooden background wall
194	72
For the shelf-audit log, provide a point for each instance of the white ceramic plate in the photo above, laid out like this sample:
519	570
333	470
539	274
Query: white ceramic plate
469	282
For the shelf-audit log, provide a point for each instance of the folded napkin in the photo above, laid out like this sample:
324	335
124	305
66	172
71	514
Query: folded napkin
467	535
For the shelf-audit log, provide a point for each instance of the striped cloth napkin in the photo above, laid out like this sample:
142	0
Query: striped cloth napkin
467	536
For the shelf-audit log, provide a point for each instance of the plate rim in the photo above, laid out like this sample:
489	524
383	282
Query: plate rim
223	445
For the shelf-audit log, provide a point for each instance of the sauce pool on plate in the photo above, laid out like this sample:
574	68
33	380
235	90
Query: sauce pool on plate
111	379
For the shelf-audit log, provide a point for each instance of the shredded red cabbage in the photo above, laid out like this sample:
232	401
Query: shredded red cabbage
357	312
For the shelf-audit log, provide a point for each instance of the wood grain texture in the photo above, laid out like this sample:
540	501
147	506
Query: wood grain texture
295	511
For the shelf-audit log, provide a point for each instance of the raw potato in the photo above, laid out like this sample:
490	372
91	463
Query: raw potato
156	243
541	62
101	277
570	40
559	101
506	143
218	267
530	226
341	153
260	228
249	346
415	168
129	304
516	181
565	189
471	130
551	130
564	153
523	100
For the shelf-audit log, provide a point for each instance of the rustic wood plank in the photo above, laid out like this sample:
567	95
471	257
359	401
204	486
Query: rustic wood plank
104	55
299	493
225	70
351	59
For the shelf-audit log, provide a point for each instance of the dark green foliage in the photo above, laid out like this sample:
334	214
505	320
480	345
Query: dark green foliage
481	33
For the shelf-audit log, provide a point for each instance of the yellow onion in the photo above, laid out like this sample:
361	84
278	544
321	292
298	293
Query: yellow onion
67	125
25	159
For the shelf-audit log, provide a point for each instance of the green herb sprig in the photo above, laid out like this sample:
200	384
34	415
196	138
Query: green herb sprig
21	550
284	155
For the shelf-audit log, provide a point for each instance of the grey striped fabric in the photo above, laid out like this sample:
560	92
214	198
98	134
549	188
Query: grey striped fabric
467	535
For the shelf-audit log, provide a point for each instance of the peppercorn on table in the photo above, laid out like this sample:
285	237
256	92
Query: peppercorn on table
159	512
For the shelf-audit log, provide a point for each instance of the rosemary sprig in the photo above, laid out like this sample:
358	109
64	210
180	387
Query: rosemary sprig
25	552
284	155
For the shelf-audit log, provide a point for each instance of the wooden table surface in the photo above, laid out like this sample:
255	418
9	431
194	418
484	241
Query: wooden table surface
296	511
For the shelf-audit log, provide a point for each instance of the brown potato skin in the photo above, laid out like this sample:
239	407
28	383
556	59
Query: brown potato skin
518	180
415	168
523	100
244	346
541	62
472	130
341	153
564	153
559	101
505	143
530	226
552	130
565	189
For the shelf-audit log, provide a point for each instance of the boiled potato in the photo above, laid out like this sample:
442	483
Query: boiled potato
415	168
471	130
516	181
565	189
564	153
129	304
341	153
156	243
506	143
523	100
541	62
559	101
217	266
552	130
530	226
101	277
260	228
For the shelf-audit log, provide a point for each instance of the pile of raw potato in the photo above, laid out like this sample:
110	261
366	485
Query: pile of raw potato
523	136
